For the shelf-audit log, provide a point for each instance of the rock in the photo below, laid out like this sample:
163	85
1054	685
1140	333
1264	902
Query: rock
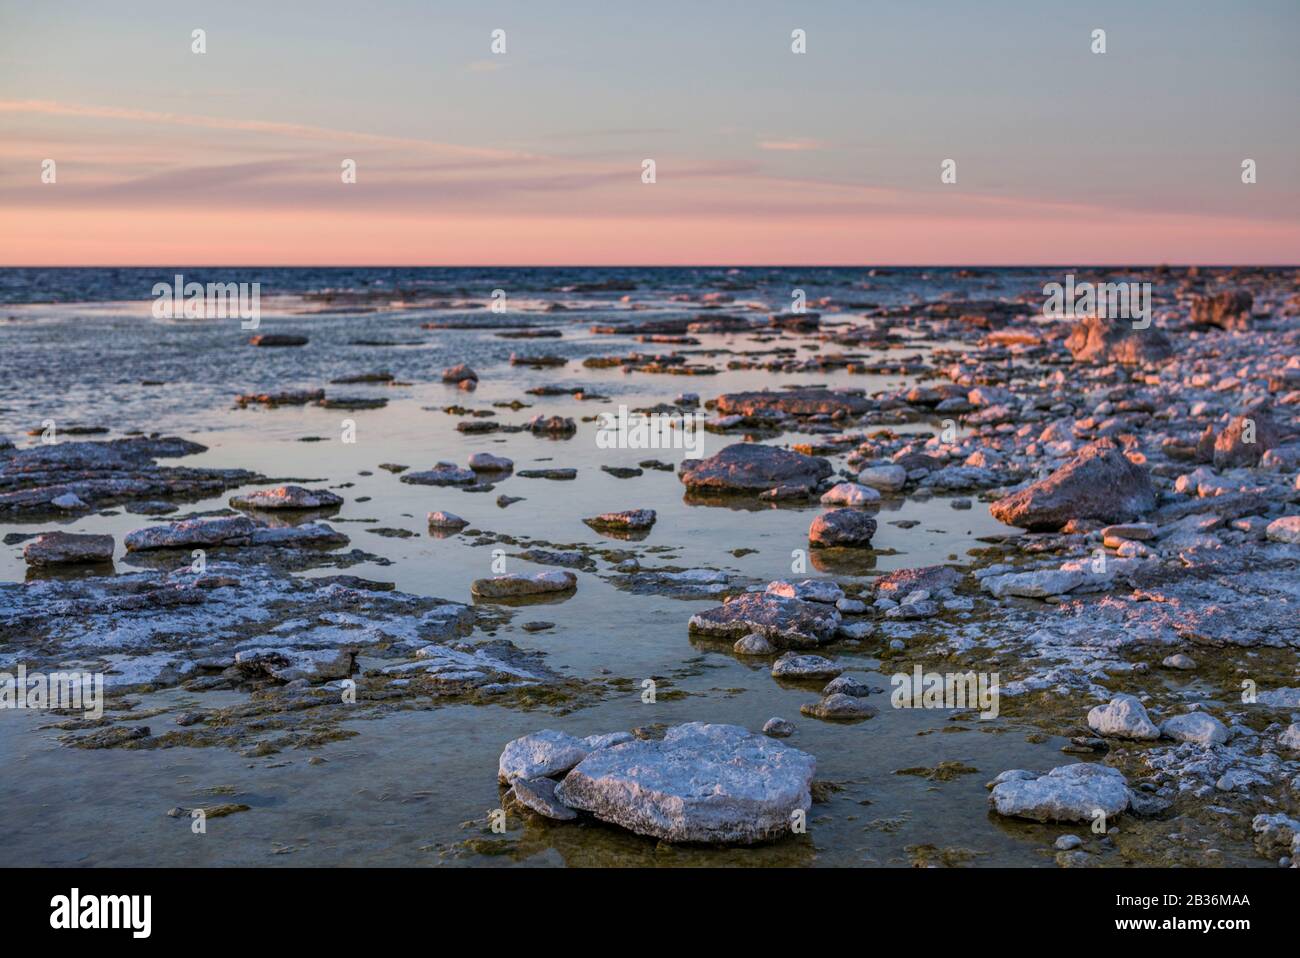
1099	483
559	474
287	497
934	579
839	707
846	685
538	794
446	520
278	339
607	740
1285	529
1228	310
1197	727
1037	584
307	534
752	468
486	462
1290	738
1123	717
540	755
701	783
1068	842
215	531
1099	340
792	665
753	644
889	478
1136	531
792	402
842	527
1282	698
442	474
513	586
68	548
288	397
785	623
1244	440
561	426
809	590
778	728
1070	793
850	494
856	631
911	609
1179	661
1275	834
459	373
96	474
634	520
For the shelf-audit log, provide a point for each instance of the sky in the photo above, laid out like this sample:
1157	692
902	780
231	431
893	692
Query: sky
534	156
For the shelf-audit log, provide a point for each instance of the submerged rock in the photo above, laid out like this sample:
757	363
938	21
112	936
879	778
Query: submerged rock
1070	793
753	644
701	783
752	467
538	795
67	548
1099	483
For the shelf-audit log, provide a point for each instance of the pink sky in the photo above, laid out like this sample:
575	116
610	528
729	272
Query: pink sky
146	187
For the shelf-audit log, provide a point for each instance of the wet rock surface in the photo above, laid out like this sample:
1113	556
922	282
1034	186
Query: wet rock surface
66	548
105	473
700	783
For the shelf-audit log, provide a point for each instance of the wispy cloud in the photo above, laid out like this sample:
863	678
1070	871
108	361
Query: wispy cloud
791	146
52	108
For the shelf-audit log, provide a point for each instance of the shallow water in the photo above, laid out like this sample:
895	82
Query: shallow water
414	787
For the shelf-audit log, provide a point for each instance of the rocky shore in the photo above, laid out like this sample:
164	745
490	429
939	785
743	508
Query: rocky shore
1136	591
